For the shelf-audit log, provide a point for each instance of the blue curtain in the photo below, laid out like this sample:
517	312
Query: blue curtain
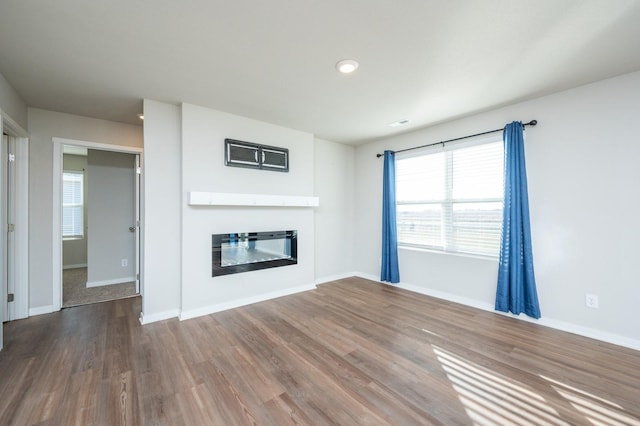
389	270
516	291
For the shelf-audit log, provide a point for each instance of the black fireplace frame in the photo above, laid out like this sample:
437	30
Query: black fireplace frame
216	251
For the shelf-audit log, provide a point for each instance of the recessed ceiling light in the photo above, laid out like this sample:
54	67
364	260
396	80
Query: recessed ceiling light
141	116
347	66
398	123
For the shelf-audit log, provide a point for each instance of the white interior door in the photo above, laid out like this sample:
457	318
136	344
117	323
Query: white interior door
14	252
2	287
4	162
136	178
10	209
8	221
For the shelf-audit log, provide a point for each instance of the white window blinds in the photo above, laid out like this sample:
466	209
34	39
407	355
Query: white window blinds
452	200
72	204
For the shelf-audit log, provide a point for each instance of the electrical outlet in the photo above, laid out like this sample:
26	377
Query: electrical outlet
591	301
125	262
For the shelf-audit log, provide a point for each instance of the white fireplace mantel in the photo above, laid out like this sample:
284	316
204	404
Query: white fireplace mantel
249	200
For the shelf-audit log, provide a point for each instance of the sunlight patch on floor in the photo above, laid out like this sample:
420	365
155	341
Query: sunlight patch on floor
431	332
597	410
492	399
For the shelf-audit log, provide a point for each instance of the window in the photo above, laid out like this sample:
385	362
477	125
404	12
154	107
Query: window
451	200
72	204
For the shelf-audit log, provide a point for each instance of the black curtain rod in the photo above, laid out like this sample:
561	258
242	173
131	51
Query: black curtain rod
531	123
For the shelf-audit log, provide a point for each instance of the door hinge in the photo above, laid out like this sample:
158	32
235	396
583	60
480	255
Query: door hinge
10	297
138	277
12	158
139	170
11	227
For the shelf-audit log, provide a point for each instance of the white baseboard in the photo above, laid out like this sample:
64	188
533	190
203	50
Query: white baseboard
159	316
545	322
79	265
206	310
41	310
322	280
591	333
110	282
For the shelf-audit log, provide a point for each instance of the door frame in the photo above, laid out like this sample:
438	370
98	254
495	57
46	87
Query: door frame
20	241
58	144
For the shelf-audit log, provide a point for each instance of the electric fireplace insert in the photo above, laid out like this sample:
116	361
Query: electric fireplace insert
237	252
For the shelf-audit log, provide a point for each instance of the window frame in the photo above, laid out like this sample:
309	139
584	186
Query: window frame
81	205
447	218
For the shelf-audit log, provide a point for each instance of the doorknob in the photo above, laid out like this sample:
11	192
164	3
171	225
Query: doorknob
132	228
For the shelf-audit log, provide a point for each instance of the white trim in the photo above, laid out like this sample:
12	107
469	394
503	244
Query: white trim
211	309
56	218
160	316
79	265
98	145
330	278
13	126
591	333
249	200
42	310
56	255
110	282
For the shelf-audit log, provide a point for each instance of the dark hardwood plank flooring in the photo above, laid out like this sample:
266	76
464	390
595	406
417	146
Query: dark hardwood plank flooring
351	352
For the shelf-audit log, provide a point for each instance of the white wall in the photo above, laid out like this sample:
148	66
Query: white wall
582	163
162	211
203	166
203	134
111	211
43	126
74	251
334	182
12	104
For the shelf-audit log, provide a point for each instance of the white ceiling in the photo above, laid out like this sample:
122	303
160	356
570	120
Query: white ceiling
426	61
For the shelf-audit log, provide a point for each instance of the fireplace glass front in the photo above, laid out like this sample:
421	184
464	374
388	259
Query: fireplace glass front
237	252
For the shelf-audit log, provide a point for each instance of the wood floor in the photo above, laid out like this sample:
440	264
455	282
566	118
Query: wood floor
350	352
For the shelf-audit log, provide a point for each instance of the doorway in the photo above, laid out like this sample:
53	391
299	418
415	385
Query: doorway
98	225
96	203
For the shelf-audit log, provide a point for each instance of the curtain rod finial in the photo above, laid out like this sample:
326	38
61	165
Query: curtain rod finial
379	155
533	122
